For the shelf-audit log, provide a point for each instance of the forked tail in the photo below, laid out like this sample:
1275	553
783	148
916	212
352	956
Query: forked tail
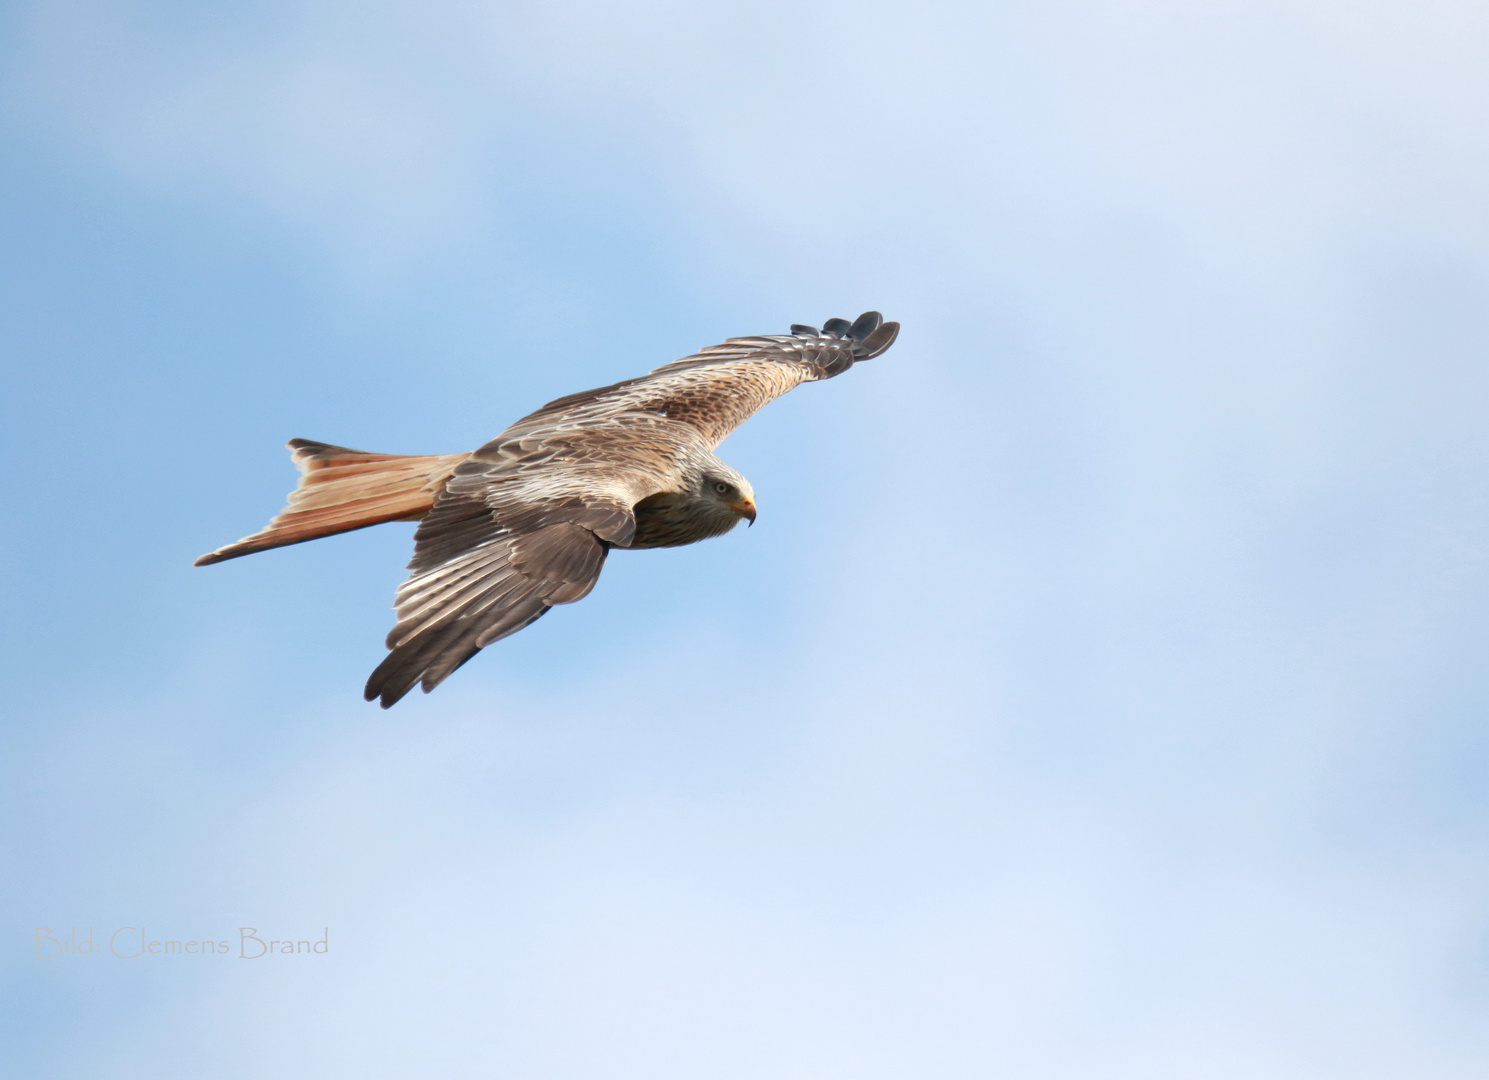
342	490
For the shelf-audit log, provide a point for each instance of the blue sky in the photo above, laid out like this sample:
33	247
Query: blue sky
1100	693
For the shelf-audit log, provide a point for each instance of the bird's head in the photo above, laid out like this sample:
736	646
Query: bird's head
723	491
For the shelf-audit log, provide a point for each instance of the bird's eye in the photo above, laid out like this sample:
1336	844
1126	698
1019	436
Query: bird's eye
721	487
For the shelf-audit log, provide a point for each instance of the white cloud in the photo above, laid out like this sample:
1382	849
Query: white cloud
390	132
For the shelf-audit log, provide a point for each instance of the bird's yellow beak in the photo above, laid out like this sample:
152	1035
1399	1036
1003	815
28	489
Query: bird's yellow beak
744	508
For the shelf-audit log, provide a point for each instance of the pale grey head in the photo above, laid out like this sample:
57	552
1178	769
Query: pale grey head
712	498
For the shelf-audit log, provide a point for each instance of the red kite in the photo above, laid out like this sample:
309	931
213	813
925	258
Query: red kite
526	521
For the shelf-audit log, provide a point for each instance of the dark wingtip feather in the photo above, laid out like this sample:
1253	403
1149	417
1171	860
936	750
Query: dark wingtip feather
389	697
870	334
401	669
876	342
379	685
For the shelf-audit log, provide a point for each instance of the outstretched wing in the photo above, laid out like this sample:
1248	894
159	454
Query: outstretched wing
523	524
716	390
488	562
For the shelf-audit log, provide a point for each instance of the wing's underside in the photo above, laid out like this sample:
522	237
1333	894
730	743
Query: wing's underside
481	573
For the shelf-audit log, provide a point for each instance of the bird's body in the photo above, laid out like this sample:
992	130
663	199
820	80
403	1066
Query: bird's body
526	521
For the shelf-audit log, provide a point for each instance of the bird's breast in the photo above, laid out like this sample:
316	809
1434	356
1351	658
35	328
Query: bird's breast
667	520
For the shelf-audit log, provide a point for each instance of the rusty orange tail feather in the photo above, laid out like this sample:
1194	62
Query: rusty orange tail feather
344	489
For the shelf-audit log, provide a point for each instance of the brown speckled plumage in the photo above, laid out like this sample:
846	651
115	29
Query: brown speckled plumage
526	521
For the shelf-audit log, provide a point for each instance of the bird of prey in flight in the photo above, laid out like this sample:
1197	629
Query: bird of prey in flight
525	522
